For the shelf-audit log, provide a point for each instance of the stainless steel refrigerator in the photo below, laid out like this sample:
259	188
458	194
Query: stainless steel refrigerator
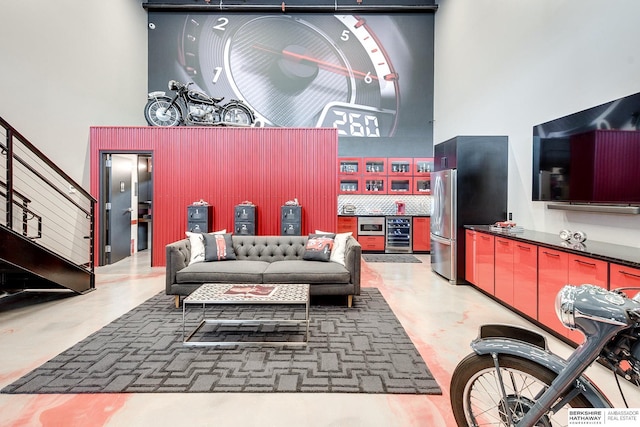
469	187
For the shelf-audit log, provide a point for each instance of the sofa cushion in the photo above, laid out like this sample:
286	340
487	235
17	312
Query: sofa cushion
300	271
218	247
238	271
318	247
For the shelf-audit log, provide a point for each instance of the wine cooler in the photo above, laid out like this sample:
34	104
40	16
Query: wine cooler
398	234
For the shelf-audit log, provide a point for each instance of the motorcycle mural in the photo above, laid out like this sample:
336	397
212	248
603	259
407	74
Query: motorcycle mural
512	379
191	107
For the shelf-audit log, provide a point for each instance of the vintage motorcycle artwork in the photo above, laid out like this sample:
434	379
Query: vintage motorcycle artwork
512	379
191	107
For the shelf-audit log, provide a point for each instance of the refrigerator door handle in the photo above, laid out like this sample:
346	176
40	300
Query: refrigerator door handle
442	240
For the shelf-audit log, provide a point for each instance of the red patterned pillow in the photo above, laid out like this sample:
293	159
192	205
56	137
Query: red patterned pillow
319	247
218	247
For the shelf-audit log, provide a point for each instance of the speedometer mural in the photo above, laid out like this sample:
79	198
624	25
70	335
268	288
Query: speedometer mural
363	75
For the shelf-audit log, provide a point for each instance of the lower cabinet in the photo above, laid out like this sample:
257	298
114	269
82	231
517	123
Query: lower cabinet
504	269
624	277
348	224
421	234
371	243
470	253
525	278
528	277
485	257
553	274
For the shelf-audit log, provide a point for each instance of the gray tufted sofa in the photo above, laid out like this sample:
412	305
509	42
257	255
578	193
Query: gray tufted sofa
265	259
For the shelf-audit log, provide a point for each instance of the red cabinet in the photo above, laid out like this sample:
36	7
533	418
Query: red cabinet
350	184
470	252
624	277
586	270
348	224
374	185
371	243
400	166
421	234
525	279
504	249
400	185
349	165
485	258
375	166
553	274
422	166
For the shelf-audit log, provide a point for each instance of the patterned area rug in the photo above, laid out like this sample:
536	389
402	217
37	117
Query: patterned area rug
362	349
390	258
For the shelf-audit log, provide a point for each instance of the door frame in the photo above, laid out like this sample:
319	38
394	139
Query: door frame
101	210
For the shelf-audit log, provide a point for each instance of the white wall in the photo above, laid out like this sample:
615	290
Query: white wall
66	65
503	66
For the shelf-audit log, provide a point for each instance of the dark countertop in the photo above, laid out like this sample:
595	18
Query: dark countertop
625	255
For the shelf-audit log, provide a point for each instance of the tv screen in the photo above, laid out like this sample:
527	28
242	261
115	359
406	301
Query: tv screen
590	157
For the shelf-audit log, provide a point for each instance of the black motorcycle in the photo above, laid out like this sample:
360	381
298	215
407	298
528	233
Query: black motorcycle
512	379
191	107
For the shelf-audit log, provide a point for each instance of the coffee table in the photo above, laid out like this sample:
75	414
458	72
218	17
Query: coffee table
246	294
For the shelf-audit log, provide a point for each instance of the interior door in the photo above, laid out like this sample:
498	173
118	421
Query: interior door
118	217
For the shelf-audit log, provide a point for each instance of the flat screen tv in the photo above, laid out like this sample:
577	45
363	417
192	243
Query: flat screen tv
592	156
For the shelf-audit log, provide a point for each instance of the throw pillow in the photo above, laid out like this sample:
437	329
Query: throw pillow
197	245
218	247
339	246
318	247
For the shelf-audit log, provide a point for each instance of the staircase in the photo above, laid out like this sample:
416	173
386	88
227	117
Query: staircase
46	222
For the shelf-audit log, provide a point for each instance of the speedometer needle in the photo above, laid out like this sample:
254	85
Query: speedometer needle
339	69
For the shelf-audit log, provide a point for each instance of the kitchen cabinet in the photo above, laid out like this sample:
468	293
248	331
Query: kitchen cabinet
621	276
349	165
525	278
350	184
553	274
374	185
348	224
375	166
371	243
485	259
471	263
400	185
504	266
586	270
399	167
421	234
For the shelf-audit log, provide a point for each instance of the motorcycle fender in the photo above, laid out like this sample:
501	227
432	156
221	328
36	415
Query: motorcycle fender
514	346
157	94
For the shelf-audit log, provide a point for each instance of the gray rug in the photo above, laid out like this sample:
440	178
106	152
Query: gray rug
401	258
362	349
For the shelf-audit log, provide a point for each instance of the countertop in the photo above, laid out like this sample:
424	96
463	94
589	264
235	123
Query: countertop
625	255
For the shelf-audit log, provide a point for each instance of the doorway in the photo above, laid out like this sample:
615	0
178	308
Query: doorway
125	205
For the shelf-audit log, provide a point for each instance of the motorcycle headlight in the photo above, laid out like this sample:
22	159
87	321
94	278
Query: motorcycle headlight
565	306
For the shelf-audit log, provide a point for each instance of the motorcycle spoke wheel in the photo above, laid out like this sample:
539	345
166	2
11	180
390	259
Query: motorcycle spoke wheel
477	399
162	113
237	115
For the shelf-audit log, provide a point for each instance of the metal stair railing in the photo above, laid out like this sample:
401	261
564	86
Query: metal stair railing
42	203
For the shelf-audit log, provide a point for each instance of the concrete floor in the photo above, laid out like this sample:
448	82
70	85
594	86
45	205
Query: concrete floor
441	319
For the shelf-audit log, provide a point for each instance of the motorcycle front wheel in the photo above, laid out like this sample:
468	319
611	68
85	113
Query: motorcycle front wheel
477	398
160	112
237	114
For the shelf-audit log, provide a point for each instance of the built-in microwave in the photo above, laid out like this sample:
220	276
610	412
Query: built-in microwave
371	226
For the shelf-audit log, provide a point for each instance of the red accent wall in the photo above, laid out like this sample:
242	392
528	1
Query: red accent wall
226	166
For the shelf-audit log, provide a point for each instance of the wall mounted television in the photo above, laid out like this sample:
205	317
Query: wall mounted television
592	156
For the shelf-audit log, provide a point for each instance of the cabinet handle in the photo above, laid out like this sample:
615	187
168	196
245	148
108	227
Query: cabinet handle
589	264
550	254
484	237
524	248
626	273
504	242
